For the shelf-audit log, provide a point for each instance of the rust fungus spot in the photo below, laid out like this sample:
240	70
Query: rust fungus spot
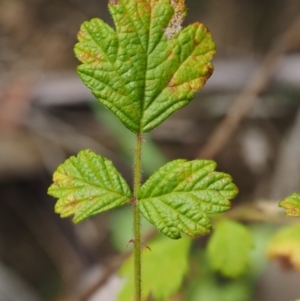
91	197
72	202
196	43
56	182
113	2
69	182
294	211
89	56
172	86
194	85
81	33
194	58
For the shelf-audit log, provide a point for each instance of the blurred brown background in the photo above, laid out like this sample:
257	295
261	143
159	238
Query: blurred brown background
46	114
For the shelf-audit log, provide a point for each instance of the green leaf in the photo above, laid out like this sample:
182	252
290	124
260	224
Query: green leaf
208	289
87	185
229	247
291	204
163	269
178	197
206	285
148	67
285	246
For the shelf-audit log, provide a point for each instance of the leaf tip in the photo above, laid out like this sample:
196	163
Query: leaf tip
76	219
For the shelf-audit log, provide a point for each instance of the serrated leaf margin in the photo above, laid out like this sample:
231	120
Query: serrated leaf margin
175	210
86	185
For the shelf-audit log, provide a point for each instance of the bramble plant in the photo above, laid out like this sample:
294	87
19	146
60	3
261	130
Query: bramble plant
143	71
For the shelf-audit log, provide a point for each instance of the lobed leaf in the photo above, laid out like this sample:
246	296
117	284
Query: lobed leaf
148	67
87	185
291	205
229	247
179	196
172	259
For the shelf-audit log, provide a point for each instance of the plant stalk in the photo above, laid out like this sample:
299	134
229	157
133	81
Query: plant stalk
137	175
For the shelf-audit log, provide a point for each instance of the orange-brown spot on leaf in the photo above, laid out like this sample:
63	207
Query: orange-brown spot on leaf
72	201
188	177
56	183
171	54
69	182
81	33
195	43
88	56
194	85
172	87
194	58
293	211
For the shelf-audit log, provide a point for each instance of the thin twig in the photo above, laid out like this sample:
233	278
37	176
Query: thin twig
246	99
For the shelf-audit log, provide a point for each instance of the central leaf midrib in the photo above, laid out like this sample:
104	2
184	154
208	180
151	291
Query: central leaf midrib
85	183
158	215
179	213
146	70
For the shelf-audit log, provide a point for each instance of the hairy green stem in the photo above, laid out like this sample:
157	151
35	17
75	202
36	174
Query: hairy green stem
137	174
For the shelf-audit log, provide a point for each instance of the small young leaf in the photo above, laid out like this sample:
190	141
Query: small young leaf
148	68
228	248
87	185
163	269
285	246
178	197
291	204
